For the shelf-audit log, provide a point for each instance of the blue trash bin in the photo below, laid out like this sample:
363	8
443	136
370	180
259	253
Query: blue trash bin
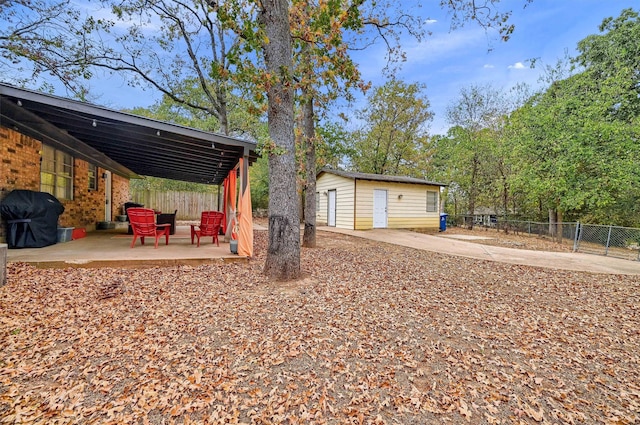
443	222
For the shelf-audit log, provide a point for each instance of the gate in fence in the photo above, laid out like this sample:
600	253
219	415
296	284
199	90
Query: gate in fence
613	241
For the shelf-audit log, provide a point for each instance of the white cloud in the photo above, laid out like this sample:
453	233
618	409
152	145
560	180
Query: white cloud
440	46
488	66
430	21
517	65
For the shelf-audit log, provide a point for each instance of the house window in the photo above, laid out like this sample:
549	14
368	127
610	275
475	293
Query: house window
432	201
93	177
56	173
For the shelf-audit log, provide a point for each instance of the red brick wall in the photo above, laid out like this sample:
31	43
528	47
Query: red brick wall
20	169
87	206
119	194
20	165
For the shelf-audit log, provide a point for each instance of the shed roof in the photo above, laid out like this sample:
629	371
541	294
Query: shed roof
377	177
126	144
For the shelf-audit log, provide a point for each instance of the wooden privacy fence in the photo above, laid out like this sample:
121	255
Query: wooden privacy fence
188	204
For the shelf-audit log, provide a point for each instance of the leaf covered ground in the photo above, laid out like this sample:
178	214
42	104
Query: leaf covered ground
374	334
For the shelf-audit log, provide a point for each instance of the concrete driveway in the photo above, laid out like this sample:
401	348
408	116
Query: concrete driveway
111	249
445	245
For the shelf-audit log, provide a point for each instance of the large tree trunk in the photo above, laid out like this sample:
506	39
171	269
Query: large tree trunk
223	118
283	251
559	227
473	191
553	219
505	199
555	224
309	236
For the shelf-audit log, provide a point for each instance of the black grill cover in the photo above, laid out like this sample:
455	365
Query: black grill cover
128	205
31	218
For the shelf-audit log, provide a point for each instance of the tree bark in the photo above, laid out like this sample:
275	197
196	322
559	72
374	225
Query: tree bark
283	251
505	199
559	227
309	236
553	218
473	190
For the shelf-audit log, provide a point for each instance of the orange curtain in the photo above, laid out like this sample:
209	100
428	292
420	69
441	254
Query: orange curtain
225	196
245	234
230	202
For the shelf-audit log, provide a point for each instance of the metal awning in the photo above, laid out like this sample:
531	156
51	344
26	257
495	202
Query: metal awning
126	144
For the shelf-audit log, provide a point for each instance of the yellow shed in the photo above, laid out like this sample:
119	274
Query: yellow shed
360	201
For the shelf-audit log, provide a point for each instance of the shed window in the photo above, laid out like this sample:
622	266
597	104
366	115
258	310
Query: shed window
432	201
93	180
56	173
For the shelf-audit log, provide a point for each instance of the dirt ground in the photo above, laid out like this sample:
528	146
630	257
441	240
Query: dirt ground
511	240
372	334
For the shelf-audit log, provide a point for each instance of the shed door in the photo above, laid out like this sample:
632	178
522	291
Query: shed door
379	209
331	213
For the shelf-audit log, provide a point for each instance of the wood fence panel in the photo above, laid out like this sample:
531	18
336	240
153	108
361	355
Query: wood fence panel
188	204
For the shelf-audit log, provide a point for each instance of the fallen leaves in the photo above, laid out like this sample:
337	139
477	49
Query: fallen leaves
375	334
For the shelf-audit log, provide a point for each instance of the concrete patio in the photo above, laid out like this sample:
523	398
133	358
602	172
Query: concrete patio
111	248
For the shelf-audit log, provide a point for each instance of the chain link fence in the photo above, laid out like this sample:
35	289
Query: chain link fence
612	241
550	230
541	229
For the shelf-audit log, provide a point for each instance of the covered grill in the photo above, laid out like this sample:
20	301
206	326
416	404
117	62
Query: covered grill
31	218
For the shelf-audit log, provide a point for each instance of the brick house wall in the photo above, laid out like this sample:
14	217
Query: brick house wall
87	206
20	157
119	194
20	169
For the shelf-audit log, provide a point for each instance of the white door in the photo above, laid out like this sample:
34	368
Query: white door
107	195
379	209
331	205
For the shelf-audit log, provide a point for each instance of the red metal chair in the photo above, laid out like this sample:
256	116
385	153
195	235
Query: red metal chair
210	223
143	223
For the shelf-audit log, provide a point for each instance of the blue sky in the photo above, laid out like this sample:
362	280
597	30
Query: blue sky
448	60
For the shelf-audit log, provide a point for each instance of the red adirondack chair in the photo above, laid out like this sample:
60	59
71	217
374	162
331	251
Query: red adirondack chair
143	223
210	223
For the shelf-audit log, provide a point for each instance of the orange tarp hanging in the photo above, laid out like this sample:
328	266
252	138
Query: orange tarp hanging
230	203
245	234
225	196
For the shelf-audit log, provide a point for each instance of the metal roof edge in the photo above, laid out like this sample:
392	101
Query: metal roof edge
378	177
61	140
104	112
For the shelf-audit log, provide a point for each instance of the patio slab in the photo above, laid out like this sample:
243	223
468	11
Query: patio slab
111	248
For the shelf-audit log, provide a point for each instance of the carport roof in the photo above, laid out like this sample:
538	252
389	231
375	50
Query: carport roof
126	144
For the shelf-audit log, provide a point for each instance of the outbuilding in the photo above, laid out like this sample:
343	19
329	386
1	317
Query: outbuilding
362	201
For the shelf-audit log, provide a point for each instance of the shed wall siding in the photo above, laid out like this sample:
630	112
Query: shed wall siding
364	203
344	200
408	212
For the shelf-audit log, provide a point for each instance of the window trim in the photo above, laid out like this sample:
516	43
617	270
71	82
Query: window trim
61	169
95	176
435	201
